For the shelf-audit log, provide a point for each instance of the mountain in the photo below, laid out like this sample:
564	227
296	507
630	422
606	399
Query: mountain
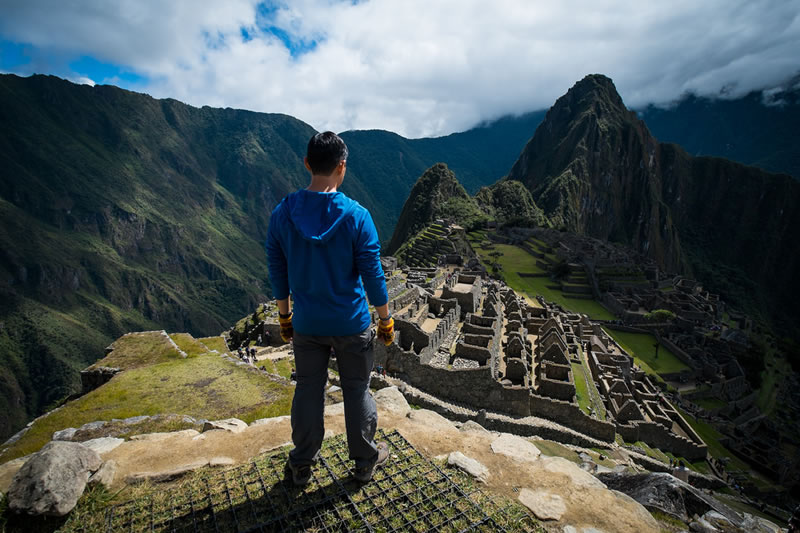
391	164
121	212
758	129
594	168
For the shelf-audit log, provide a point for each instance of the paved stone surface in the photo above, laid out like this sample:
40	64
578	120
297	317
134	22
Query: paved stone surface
392	400
53	479
167	475
234	425
545	505
270	421
335	409
103	444
432	420
156	437
515	447
579	477
469	465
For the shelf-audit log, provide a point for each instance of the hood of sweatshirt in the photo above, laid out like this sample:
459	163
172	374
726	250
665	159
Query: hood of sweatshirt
317	215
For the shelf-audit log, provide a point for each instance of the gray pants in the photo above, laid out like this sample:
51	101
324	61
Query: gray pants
354	355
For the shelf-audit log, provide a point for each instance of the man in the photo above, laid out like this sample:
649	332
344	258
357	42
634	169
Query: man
323	248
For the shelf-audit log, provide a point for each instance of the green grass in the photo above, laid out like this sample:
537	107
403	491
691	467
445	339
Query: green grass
204	386
640	346
189	344
554	449
581	390
215	343
515	260
775	370
711	437
710	403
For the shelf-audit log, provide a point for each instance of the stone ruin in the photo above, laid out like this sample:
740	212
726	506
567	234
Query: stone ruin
476	343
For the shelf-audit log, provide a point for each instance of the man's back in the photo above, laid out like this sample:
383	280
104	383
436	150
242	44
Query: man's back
328	245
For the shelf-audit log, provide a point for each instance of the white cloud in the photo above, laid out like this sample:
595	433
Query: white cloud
419	67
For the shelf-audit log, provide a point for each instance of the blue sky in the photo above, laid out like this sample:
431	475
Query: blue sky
415	67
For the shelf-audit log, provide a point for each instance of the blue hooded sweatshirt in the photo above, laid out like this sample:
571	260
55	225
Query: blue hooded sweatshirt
324	249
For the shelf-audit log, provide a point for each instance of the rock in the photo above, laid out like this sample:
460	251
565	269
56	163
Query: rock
134	420
65	434
470	426
573	529
105	475
701	526
392	400
53	479
545	505
167	475
156	437
579	477
233	425
335	409
756	524
642	513
515	447
665	493
469	465
103	444
270	421
92	426
333	388
221	461
433	422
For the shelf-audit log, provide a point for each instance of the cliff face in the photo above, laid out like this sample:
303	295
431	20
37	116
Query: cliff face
595	169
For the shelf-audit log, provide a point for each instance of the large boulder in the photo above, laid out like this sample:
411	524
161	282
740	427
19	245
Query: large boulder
392	400
516	448
53	479
666	493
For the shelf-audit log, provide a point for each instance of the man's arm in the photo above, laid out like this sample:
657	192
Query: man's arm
368	263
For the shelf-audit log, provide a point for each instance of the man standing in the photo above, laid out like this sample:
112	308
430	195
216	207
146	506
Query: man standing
323	248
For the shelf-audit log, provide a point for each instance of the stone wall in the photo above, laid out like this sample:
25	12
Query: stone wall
658	436
475	386
571	416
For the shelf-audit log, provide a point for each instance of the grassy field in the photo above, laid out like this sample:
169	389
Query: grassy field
158	381
640	346
711	437
581	389
515	260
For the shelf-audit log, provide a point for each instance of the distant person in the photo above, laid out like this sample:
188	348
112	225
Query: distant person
267	338
322	247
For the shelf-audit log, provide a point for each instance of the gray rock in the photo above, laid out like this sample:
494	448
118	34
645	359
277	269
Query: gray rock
65	434
392	400
91	426
157	437
667	494
516	448
335	409
233	425
545	505
167	475
53	479
105	475
135	420
470	426
271	421
103	444
469	465
577	476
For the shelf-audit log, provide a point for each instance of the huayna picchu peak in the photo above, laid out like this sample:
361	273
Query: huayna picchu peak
595	169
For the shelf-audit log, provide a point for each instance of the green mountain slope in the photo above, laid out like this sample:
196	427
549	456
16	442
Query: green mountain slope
594	168
121	212
758	129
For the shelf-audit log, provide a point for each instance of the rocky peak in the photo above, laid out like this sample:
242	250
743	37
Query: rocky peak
436	186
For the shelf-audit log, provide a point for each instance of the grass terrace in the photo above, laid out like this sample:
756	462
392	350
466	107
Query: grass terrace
157	380
640	346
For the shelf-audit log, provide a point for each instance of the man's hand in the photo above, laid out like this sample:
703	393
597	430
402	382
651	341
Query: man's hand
386	330
287	331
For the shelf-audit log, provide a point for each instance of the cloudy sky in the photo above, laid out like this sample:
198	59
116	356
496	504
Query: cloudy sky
416	67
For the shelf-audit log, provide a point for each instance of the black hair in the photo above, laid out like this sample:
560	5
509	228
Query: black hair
325	151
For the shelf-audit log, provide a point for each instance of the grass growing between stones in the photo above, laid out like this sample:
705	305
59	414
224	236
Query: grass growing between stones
640	346
581	389
409	493
554	449
215	343
204	386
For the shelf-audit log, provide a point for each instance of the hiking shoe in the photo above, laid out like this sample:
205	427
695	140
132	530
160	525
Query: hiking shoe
364	473
300	474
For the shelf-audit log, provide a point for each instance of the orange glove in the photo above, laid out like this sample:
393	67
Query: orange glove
386	330
287	331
